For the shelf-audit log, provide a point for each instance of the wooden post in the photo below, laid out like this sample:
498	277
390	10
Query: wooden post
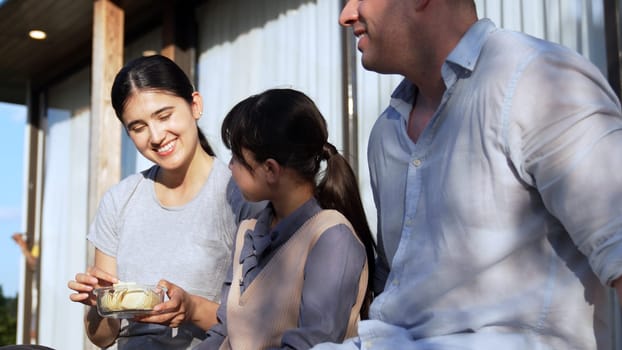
35	135
179	33
105	154
105	129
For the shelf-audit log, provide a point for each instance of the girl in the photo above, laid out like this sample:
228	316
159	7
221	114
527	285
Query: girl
175	220
300	271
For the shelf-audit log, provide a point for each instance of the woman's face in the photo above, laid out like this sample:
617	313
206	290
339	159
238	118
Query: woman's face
163	127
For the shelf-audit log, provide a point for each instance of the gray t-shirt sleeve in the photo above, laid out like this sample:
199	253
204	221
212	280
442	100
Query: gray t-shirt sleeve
104	231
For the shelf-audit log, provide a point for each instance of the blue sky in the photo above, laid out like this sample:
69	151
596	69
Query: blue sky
12	126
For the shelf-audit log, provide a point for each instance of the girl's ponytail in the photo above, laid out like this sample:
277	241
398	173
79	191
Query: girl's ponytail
338	189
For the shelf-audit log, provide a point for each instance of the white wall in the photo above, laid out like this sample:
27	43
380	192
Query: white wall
577	24
246	47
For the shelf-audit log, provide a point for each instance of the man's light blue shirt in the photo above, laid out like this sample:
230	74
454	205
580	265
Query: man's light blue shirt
502	225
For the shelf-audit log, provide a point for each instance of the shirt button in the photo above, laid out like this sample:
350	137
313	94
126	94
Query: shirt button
395	282
417	162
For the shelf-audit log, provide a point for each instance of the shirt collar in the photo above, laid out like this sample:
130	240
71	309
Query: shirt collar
467	52
461	60
402	99
288	226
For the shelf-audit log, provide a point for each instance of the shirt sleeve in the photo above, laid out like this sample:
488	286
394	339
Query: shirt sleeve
104	230
331	282
565	138
103	233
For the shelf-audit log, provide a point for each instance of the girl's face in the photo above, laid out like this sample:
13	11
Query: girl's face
163	127
253	182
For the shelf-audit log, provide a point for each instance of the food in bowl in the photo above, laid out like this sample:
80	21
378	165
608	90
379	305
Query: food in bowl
126	300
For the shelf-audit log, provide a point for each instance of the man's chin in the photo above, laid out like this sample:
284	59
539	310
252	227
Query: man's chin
375	66
368	64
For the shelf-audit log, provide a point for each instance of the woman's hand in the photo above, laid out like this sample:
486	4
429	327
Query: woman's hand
182	307
86	282
101	331
172	312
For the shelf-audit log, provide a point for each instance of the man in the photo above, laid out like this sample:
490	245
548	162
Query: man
496	175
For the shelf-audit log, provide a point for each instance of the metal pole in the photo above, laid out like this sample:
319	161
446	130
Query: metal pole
349	93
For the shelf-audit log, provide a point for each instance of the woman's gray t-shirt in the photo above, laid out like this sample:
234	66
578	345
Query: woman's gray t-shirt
189	245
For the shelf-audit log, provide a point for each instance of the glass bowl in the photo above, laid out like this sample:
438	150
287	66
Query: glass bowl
127	300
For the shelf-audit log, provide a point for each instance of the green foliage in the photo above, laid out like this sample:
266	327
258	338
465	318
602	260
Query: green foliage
8	319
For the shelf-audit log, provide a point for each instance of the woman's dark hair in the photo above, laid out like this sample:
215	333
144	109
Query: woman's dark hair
286	125
153	73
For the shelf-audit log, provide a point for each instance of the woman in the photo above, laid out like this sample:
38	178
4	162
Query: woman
174	221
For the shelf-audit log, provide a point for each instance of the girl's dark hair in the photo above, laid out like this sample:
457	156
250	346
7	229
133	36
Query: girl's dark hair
286	125
154	73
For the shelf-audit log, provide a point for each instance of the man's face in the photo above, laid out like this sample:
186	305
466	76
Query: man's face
382	29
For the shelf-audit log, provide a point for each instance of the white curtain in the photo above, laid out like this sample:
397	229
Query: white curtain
64	212
246	47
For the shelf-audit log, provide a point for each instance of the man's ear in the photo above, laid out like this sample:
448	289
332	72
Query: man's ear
272	169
